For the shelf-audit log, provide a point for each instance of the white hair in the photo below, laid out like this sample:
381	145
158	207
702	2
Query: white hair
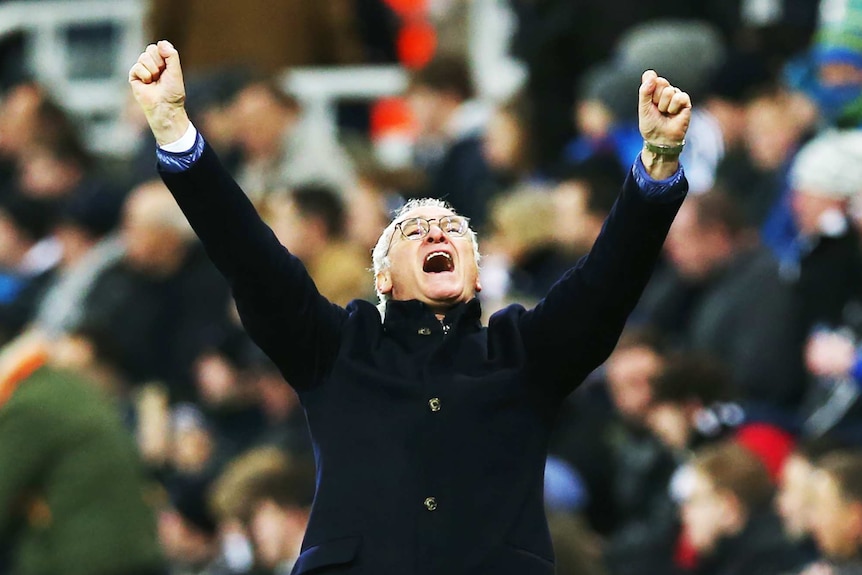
380	253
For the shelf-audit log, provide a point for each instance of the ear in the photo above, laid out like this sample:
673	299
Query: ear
383	282
478	285
855	515
734	517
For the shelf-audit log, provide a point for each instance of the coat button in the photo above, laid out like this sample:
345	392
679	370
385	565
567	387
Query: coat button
424	331
434	404
430	503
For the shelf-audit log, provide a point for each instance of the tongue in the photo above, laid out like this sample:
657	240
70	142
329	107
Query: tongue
438	264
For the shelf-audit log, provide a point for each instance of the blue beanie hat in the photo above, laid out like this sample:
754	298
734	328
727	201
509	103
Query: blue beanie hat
838	37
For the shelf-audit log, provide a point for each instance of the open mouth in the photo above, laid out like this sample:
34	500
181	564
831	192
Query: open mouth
438	262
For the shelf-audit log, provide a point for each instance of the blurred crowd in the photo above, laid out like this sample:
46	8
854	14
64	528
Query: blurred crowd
724	434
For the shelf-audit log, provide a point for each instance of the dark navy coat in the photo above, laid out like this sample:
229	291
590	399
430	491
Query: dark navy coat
430	437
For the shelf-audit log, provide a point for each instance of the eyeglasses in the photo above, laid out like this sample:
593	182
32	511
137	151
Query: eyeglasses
418	228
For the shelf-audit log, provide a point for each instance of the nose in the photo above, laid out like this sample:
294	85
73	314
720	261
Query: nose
436	234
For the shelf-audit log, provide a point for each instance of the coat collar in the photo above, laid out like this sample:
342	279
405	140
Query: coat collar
408	314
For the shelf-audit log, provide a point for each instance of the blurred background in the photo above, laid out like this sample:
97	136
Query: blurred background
724	434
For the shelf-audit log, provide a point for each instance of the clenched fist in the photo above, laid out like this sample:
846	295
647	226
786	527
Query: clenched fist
664	113
157	84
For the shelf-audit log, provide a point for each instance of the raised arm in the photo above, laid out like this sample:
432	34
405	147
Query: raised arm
576	326
280	306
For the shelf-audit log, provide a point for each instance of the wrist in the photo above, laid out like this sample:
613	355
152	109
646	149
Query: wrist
659	166
664	148
168	123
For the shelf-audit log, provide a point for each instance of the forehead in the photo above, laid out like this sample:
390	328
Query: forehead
428	212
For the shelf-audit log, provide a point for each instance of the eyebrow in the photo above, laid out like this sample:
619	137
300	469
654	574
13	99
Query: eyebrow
425	218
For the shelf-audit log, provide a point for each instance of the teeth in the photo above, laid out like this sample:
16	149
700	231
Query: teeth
433	254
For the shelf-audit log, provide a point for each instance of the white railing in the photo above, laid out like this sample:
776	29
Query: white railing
320	89
98	102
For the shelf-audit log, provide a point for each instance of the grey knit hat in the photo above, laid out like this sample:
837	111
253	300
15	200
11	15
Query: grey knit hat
830	165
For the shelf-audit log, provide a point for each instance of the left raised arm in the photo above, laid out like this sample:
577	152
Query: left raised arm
576	326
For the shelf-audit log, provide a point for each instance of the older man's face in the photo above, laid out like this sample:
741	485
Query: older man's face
440	269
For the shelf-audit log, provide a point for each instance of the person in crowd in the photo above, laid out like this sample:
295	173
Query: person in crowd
827	267
72	490
287	428
29	261
691	403
722	295
162	301
794	499
836	59
188	530
583	198
56	163
19	118
434	417
279	149
311	222
604	435
85	231
525	261
506	146
836	514
726	514
449	142
829	75
278	503
526	256
227	394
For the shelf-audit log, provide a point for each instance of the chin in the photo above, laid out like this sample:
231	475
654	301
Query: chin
443	288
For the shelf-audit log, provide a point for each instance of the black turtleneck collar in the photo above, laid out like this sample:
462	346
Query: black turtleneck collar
407	313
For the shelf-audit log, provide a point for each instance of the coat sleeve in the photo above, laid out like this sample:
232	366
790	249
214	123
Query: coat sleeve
574	328
277	301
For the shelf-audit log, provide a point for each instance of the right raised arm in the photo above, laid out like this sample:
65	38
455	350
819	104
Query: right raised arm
278	303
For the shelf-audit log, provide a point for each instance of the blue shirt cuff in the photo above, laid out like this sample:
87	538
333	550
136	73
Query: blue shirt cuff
666	190
175	162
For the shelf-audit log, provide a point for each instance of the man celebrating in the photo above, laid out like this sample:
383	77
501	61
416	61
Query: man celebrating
430	430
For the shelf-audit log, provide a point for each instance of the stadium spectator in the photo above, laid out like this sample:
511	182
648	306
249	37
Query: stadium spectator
794	500
627	471
726	515
279	149
85	231
278	503
722	295
827	268
311	222
72	491
836	514
188	531
450	127
28	261
163	299
691	403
